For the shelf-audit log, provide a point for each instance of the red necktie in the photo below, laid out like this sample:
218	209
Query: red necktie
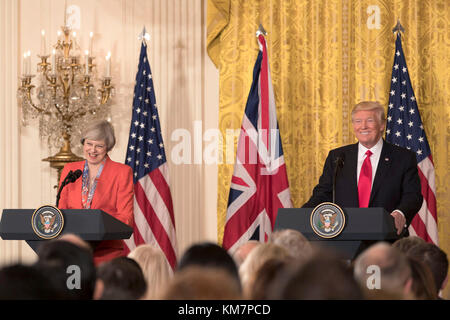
365	182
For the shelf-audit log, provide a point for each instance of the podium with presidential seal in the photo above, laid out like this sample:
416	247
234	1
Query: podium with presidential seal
346	230
48	222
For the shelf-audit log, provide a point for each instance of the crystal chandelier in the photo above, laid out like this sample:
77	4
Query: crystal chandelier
66	98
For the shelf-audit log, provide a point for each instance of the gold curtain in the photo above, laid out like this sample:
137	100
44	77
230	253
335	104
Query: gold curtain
325	56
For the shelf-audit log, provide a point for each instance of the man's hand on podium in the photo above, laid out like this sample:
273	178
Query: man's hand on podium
399	220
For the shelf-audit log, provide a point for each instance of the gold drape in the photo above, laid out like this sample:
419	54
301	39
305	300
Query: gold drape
325	56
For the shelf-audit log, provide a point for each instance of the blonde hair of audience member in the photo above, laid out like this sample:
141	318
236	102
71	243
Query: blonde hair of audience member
297	245
243	251
202	283
258	257
395	271
153	263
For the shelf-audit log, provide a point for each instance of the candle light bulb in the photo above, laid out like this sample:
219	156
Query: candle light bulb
86	61
53	61
108	65
91	36
43	44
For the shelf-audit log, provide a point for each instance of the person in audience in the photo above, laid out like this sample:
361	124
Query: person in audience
296	244
436	259
324	276
21	282
392	266
154	265
197	282
258	257
70	268
243	251
262	279
121	279
423	286
207	254
404	244
73	238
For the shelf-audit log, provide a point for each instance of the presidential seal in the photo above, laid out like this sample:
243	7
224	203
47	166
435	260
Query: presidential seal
327	220
47	222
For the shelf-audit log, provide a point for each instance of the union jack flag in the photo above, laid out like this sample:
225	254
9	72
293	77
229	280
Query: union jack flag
154	221
259	186
405	129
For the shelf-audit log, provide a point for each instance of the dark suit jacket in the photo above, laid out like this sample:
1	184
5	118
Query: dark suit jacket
114	195
396	184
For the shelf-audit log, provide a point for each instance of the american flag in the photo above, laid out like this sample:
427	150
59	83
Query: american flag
405	129
259	186
154	221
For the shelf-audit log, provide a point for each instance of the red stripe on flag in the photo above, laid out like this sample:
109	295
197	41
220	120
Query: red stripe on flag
158	230
420	229
428	194
164	191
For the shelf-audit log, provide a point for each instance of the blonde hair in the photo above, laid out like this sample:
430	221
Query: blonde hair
155	267
257	257
370	106
100	130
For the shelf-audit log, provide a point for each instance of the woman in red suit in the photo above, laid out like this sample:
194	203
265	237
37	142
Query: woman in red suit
105	185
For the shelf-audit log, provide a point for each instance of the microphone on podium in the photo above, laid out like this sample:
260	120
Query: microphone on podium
71	177
339	164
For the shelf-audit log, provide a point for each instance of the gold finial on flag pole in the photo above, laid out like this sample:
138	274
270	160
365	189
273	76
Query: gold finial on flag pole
398	27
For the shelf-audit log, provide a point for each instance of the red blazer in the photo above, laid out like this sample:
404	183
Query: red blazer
113	194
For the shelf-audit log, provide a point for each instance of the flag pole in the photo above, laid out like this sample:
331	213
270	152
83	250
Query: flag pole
398	27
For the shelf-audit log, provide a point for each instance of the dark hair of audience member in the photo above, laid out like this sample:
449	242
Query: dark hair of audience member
406	243
436	259
260	282
20	282
202	283
207	254
323	277
423	286
122	279
60	260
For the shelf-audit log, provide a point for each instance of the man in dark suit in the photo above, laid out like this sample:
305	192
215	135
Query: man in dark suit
372	172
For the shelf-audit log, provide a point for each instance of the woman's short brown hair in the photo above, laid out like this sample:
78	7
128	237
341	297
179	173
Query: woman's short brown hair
100	130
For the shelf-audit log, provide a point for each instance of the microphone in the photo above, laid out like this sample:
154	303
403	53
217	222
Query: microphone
339	164
71	177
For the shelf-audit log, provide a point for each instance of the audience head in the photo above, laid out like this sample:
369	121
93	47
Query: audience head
436	259
71	267
241	253
20	282
423	286
76	240
292	240
406	243
207	254
202	283
257	257
122	279
261	281
323	277
155	268
394	268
